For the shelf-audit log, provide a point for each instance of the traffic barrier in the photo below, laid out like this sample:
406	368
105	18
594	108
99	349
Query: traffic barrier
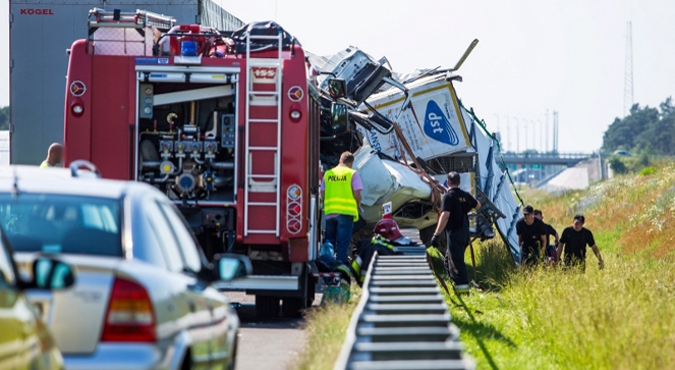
402	321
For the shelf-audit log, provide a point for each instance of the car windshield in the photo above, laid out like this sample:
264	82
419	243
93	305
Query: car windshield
61	224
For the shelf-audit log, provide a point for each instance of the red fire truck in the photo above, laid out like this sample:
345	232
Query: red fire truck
222	123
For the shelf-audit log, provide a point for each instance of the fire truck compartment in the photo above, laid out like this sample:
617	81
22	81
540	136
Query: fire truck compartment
187	135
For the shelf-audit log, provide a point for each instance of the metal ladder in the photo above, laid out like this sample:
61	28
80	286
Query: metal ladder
268	182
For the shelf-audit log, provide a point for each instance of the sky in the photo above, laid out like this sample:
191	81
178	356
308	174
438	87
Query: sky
533	56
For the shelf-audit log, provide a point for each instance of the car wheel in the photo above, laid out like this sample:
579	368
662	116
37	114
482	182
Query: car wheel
233	362
267	307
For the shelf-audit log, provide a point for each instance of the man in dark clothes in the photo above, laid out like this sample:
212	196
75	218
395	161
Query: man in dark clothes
551	250
574	241
531	237
454	220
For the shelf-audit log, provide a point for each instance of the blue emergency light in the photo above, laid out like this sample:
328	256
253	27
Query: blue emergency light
188	48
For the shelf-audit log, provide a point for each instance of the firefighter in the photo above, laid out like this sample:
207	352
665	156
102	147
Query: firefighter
54	155
341	190
551	249
385	237
573	242
531	237
454	221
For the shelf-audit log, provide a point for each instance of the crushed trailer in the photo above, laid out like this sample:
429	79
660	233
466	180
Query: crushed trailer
409	131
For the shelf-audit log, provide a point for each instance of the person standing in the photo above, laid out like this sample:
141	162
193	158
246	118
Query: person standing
341	189
574	241
531	237
551	250
454	221
54	156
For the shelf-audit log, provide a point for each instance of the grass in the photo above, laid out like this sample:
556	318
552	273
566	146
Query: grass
617	318
326	328
621	317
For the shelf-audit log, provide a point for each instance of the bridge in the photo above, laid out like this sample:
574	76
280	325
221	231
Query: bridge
545	159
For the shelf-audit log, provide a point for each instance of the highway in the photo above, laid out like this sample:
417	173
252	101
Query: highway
268	343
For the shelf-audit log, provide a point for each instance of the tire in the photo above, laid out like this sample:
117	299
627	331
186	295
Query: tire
266	307
311	291
233	362
294	306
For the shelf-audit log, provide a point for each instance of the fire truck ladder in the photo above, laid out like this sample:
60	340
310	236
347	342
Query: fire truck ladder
260	69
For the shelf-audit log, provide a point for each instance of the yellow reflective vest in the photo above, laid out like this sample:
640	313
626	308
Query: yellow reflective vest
339	197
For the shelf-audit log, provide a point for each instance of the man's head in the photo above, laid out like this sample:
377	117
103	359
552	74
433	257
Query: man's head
528	214
55	154
579	221
453	179
537	213
347	159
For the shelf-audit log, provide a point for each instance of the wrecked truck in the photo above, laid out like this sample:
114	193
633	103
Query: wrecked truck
407	131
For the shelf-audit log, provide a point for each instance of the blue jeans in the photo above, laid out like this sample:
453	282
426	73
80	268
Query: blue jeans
339	233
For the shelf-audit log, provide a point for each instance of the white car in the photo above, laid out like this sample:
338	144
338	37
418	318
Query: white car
143	297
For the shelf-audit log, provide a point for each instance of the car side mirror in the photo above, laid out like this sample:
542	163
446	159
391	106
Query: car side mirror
52	274
337	88
231	266
339	117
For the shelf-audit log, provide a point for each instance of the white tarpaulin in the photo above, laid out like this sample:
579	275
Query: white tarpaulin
432	128
386	181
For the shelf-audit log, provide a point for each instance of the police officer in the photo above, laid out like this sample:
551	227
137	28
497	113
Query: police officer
454	221
341	189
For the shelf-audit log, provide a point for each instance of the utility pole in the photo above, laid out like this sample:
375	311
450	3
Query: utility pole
526	137
555	131
541	136
517	135
508	134
628	74
546	131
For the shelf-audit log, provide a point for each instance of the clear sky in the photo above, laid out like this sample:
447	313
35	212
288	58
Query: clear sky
533	55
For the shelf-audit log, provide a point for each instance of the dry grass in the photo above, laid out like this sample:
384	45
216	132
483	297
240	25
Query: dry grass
326	328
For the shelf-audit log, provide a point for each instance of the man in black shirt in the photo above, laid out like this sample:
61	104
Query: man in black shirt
454	220
573	242
551	250
531	237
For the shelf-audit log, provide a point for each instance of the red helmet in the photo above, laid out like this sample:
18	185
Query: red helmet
388	229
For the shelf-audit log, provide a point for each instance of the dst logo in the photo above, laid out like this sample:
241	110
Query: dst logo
32	11
437	127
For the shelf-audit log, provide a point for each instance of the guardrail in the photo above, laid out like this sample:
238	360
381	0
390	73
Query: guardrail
402	321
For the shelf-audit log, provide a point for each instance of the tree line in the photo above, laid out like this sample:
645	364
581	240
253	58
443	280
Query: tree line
645	130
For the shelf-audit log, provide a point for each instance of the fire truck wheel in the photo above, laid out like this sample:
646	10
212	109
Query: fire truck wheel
311	291
266	307
293	306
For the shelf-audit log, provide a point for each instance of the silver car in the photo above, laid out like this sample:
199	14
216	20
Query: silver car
143	297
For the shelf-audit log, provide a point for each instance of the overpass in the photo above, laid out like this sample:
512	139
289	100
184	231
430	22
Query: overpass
545	159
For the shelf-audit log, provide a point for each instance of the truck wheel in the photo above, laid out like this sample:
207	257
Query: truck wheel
294	306
311	291
266	307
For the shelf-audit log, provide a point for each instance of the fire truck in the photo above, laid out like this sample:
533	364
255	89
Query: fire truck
222	122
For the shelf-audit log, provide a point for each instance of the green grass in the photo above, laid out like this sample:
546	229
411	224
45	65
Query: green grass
326	328
621	317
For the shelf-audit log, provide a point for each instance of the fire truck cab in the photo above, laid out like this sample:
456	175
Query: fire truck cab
222	123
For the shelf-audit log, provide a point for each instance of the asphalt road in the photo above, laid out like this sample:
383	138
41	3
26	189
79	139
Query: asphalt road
269	343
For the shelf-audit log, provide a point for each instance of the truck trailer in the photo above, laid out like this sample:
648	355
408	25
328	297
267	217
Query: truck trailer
41	31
